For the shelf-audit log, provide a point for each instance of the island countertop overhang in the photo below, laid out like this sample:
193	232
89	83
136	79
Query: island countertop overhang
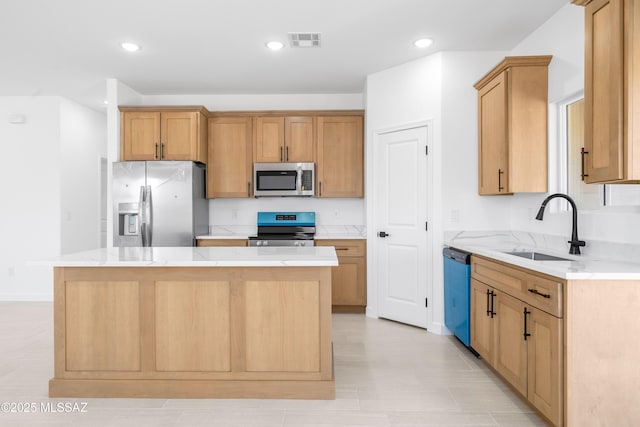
317	256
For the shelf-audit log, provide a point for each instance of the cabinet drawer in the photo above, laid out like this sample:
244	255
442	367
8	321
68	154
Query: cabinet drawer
544	294
345	247
221	242
540	291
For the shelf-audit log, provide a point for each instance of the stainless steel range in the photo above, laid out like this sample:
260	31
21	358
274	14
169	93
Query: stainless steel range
285	229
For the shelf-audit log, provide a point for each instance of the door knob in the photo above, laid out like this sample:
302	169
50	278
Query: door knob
382	234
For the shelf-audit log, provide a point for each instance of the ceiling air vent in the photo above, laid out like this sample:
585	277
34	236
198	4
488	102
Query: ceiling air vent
304	39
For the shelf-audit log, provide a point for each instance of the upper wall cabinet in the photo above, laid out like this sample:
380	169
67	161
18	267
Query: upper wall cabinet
512	126
163	133
340	168
611	91
284	139
230	167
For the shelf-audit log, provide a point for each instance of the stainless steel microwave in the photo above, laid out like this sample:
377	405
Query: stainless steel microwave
283	179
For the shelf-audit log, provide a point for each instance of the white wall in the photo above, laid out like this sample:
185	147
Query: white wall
30	209
42	180
404	95
462	207
83	141
439	89
336	101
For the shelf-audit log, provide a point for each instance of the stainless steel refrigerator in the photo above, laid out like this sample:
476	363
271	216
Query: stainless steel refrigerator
159	203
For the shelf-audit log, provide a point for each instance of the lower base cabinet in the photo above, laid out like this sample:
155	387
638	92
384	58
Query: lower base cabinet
349	278
520	341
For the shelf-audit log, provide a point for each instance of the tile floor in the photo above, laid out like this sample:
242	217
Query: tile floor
387	374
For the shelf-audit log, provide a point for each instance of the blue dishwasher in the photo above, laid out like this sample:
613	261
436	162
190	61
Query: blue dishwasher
457	284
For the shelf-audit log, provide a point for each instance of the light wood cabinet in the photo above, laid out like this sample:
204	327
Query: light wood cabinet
193	332
230	167
512	331
163	134
284	139
512	126
349	278
611	91
221	242
340	156
481	320
510	345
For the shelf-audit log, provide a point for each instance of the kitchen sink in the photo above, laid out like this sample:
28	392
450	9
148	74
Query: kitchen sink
537	256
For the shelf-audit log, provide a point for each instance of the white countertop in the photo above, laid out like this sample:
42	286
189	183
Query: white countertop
578	267
316	256
323	232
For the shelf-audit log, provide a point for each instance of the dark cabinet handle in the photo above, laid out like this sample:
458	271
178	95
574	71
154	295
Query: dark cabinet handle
286	153
526	334
493	313
280	153
535	291
155	156
320	189
161	151
248	189
382	234
500	187
342	249
488	309
582	154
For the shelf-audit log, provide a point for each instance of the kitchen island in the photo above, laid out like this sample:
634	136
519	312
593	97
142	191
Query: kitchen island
194	323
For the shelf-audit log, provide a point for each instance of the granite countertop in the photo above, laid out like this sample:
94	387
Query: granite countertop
577	267
323	232
315	256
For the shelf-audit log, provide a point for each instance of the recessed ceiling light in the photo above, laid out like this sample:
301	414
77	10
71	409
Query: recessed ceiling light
422	43
130	47
105	102
274	45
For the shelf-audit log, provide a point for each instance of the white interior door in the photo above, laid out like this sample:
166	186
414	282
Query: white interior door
402	215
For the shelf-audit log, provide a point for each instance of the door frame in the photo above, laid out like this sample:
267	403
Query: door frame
373	285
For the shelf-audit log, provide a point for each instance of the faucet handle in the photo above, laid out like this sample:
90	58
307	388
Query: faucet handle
577	242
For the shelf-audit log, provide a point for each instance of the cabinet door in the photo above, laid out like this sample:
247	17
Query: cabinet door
604	77
229	166
269	139
481	321
348	282
140	139
544	360
511	348
298	139
349	278
192	326
179	136
493	174
340	156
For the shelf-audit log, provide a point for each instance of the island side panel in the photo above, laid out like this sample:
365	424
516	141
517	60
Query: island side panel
177	378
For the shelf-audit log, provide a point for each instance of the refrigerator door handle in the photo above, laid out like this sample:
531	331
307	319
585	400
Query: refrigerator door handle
146	215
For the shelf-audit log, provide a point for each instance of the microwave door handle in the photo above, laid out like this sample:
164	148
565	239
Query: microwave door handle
299	180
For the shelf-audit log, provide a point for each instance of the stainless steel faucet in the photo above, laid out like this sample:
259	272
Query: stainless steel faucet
574	242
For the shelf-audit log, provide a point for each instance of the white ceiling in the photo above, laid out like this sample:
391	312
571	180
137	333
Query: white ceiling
69	47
